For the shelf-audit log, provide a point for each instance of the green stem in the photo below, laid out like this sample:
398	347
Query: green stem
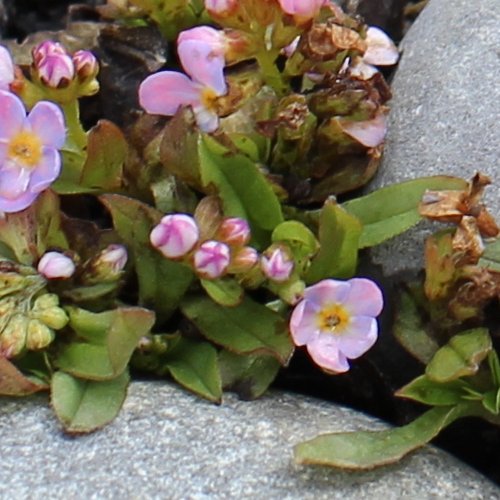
272	76
76	133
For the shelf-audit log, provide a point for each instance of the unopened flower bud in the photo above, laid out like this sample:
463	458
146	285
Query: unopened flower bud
221	8
277	265
243	260
175	236
56	265
107	265
6	69
53	64
13	337
86	65
234	231
46	301
54	317
38	336
211	259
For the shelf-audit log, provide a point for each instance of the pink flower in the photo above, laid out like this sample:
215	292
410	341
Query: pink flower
302	10
165	92
211	259
189	40
6	69
29	156
234	231
277	265
56	265
53	64
381	50
336	320
175	236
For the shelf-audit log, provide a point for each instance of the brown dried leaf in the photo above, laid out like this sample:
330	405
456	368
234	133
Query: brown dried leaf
14	383
467	242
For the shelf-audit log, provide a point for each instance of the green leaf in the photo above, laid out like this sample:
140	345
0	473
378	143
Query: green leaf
162	282
491	401
392	210
461	356
226	291
490	259
106	154
247	375
111	338
494	364
368	449
339	234
248	328
83	406
297	235
15	383
240	184
427	391
194	365
409	329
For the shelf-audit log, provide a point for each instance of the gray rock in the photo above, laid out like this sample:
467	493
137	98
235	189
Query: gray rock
446	107
169	444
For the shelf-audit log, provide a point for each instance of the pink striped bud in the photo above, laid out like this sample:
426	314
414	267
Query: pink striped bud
56	265
234	231
175	236
86	64
53	64
243	260
277	265
211	259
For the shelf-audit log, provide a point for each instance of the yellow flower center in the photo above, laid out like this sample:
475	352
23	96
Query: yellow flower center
25	149
333	319
208	98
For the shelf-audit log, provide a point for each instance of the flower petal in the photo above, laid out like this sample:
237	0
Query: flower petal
325	353
381	49
304	323
12	115
6	68
207	120
14	181
203	64
327	292
364	298
358	337
370	133
47	122
18	204
47	170
163	93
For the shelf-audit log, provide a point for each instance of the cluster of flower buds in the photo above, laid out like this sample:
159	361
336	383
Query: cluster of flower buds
55	68
32	328
178	237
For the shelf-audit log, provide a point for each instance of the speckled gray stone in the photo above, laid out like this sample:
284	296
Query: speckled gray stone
446	108
167	443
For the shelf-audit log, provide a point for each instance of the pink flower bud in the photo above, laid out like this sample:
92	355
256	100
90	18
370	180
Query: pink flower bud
244	259
56	265
53	64
234	231
175	236
115	256
302	10
86	64
221	7
211	259
277	265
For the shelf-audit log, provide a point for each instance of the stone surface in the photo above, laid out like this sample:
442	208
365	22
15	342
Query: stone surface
169	444
445	111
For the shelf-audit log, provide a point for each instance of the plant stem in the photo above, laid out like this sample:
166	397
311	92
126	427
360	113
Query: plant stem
75	130
272	76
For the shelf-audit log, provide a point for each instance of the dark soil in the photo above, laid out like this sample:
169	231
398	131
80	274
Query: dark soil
370	384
